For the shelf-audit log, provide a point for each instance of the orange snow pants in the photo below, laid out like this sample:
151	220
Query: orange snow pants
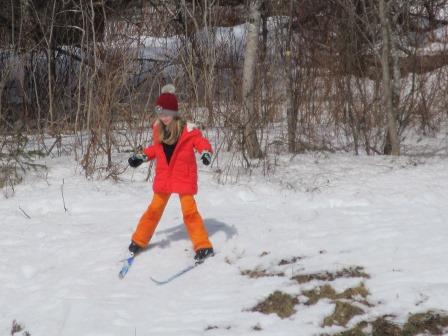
192	219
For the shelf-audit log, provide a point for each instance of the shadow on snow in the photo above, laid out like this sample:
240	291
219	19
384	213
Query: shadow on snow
179	232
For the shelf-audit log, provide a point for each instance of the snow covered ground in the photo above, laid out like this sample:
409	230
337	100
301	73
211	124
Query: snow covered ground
388	215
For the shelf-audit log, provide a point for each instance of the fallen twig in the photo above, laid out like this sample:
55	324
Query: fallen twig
23	211
63	199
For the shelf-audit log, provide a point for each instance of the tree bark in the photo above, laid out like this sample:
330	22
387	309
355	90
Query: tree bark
51	66
250	140
392	142
291	109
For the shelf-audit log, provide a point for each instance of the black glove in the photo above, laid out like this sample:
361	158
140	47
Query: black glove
206	158
136	160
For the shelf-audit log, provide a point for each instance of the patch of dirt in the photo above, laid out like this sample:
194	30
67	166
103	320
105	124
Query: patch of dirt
358	294
430	322
383	327
18	328
322	292
278	303
358	330
346	305
343	312
351	272
292	260
260	273
214	327
380	327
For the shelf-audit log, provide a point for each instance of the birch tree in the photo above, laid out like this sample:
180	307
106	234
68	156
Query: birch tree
291	95
250	140
388	84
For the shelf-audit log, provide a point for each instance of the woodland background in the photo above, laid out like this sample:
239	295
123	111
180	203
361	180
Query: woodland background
264	77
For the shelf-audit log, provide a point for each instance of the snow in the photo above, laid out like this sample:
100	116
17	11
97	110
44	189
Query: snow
59	270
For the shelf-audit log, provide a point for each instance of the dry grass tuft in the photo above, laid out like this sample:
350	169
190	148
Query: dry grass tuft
292	260
278	303
351	272
428	323
327	292
383	327
260	273
343	312
434	323
316	294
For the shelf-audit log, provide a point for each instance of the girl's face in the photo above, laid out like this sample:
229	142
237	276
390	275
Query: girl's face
166	119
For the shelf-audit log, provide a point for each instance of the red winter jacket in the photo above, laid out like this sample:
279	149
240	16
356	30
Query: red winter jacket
181	175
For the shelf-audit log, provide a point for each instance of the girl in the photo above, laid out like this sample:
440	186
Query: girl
173	148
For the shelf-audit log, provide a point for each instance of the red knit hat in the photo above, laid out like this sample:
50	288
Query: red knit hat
166	103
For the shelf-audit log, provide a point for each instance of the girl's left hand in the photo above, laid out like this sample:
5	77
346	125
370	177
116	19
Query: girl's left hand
206	158
136	160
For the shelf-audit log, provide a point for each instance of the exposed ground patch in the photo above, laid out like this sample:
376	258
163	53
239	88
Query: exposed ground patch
290	261
284	304
18	329
348	304
435	323
342	314
214	327
428	323
278	303
260	273
358	294
350	272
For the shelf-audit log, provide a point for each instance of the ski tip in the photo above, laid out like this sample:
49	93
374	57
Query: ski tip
126	264
122	273
158	282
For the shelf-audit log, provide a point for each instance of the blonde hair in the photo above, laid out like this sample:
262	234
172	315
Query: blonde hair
171	133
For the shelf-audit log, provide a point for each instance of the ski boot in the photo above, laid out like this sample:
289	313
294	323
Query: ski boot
203	254
134	249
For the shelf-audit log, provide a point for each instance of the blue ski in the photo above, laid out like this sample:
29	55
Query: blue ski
126	265
176	275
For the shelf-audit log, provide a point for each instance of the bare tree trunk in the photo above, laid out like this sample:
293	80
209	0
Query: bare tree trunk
396	72
51	66
209	58
291	99
392	141
352	118
250	61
